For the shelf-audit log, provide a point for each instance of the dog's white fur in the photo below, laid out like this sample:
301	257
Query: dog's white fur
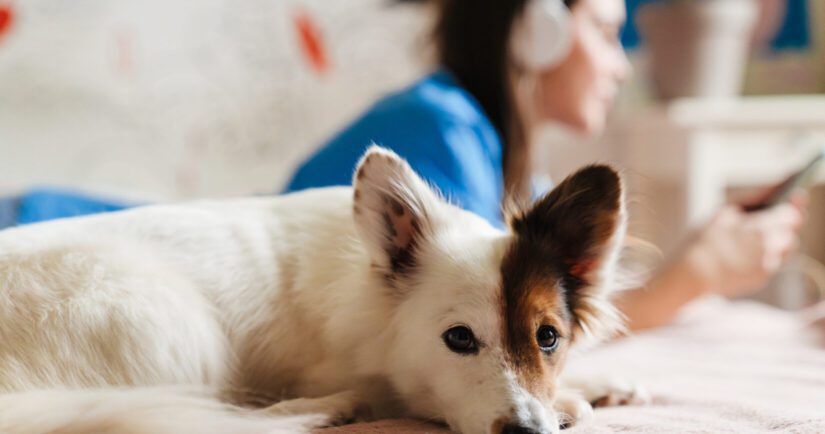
256	301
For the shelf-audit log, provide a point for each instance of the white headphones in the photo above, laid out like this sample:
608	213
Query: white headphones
543	38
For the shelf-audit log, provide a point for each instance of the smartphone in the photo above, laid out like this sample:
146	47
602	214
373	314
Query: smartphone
783	191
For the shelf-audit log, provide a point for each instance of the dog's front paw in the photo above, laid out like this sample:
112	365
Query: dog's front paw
613	392
338	409
343	408
572	409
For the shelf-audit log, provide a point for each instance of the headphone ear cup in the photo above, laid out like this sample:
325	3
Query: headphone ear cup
546	34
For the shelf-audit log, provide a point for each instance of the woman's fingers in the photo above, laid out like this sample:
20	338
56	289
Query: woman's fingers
800	198
780	217
745	249
779	228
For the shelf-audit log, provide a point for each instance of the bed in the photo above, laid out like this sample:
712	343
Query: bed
723	367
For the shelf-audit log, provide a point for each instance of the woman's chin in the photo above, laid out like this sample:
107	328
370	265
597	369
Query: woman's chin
589	121
588	124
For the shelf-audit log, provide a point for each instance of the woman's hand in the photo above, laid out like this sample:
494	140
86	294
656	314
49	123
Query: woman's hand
734	254
737	252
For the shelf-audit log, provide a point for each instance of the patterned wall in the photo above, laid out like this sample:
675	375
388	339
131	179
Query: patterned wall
159	99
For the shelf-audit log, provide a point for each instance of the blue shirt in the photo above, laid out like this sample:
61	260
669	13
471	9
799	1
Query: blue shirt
42	204
439	128
50	203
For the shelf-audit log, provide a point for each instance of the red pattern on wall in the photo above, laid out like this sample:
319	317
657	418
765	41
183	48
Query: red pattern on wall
6	19
311	42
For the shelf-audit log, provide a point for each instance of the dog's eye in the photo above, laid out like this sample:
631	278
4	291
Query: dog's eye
460	339
547	338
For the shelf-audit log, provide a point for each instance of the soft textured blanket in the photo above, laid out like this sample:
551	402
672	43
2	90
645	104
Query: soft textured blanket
722	368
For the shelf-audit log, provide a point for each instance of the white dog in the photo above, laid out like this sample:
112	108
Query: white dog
380	300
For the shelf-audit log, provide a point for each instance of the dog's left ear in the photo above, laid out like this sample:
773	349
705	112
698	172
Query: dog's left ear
577	231
393	209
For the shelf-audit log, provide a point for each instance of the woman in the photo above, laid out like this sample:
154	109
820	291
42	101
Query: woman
467	127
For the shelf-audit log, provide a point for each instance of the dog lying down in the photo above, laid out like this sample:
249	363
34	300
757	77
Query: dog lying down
286	313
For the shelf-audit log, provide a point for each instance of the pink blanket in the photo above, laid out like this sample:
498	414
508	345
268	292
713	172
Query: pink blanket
722	368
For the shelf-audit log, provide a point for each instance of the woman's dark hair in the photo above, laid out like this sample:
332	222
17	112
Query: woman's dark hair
472	39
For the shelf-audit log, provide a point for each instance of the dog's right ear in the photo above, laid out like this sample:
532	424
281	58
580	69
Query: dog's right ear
393	209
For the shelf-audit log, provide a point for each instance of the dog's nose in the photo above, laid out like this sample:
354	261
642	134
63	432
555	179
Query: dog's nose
517	429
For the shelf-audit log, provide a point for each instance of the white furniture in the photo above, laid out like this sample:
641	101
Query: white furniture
683	156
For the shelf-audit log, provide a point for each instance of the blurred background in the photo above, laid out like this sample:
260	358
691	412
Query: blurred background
160	100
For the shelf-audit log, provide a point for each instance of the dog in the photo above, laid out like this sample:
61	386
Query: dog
281	314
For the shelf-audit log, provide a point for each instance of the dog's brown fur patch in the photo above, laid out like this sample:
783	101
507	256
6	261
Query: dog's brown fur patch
531	299
549	272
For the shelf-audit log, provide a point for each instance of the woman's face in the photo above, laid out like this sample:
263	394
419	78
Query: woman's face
580	91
